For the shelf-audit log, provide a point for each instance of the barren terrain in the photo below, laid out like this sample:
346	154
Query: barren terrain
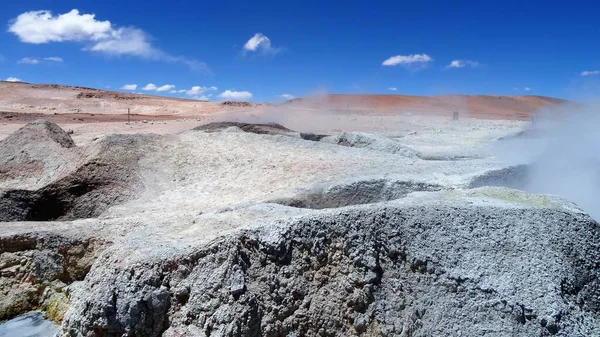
72	106
385	217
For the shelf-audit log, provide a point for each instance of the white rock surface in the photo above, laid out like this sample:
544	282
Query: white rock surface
241	234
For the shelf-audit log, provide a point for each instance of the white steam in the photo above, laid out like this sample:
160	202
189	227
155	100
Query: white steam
562	148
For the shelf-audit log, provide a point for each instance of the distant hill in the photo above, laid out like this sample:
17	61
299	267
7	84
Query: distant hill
482	106
53	99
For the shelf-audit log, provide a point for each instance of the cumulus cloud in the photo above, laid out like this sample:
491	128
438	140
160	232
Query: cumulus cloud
43	27
195	92
39	27
527	89
235	95
13	79
260	42
198	90
590	72
166	87
131	87
392	89
29	60
463	64
53	59
127	41
150	87
408	60
287	96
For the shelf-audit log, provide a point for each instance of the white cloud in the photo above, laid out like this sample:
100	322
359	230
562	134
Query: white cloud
287	96
127	41
262	43
43	27
33	60
39	27
407	60
463	64
456	64
29	60
166	87
527	89
235	95
392	89
590	72
13	79
204	98
195	92
150	87
198	90
131	87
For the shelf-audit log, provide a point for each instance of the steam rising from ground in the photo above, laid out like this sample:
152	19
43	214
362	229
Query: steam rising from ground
312	113
562	147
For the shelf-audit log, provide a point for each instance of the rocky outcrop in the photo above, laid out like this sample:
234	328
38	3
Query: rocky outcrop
39	131
267	129
434	269
512	176
356	192
193	235
35	154
103	174
35	267
371	142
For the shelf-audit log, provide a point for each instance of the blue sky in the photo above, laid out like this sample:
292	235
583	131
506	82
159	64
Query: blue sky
509	47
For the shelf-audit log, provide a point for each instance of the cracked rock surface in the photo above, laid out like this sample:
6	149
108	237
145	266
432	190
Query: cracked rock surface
235	233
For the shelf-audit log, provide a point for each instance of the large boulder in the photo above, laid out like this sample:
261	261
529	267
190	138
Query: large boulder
492	262
36	154
43	177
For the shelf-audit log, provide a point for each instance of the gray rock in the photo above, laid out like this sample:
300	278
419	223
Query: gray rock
35	266
189	242
371	142
436	269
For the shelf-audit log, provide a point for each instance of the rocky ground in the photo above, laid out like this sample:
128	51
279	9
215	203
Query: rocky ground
295	230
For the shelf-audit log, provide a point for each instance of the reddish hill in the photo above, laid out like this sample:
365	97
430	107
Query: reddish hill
480	106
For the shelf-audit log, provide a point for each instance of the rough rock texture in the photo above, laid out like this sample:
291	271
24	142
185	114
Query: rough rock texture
34	154
40	131
34	267
512	176
371	142
192	235
356	193
102	175
434	269
269	129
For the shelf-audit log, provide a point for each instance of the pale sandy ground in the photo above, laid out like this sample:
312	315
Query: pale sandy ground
296	119
90	113
51	99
